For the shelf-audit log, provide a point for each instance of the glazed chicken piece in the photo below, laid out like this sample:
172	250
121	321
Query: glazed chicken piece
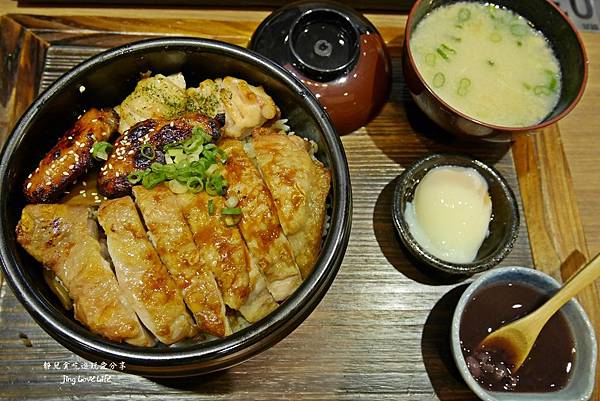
245	106
140	273
65	240
299	185
175	245
127	157
223	249
156	97
259	224
71	157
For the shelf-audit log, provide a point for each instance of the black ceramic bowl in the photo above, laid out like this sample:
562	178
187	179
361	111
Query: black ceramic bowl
503	228
545	17
107	79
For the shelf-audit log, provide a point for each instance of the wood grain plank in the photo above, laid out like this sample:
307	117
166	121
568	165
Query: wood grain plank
382	328
555	227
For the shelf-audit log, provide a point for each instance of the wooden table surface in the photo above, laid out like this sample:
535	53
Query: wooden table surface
559	181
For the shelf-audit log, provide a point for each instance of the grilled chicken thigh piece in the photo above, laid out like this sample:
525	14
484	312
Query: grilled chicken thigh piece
127	156
140	273
299	185
223	249
259	224
245	106
64	239
153	97
175	245
71	157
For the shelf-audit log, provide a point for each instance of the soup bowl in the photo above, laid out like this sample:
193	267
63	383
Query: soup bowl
103	81
545	17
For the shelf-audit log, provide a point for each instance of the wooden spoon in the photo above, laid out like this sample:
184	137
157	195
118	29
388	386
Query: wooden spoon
516	339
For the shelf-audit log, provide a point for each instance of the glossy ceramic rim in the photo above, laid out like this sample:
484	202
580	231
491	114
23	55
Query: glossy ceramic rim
302	63
541	124
457	355
423	255
218	354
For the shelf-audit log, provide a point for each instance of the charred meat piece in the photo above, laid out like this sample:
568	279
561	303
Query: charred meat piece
71	157
65	240
131	152
142	276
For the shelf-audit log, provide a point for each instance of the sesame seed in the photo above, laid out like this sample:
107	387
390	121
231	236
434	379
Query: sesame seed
70	138
95	193
65	173
94	120
48	183
81	89
104	173
28	185
84	183
172	124
84	195
29	176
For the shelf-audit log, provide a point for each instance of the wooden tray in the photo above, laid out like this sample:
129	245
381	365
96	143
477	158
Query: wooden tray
382	330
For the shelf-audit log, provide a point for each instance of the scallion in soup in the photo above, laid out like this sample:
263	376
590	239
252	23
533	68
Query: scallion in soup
488	63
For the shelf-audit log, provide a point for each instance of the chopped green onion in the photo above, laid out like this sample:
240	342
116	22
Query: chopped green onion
448	48
519	43
456	38
526	86
231	221
464	14
135	177
152	179
439	79
211	207
177	188
491	63
518	30
195	184
541	90
458	26
463	86
100	150
147	151
441	53
495	37
430	59
553	84
231	210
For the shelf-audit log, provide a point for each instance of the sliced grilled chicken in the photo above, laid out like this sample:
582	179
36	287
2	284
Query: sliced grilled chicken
224	250
175	245
259	224
299	185
140	273
127	157
71	157
64	239
153	97
244	106
260	302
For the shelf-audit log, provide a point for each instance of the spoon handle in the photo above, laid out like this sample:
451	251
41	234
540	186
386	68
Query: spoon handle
577	282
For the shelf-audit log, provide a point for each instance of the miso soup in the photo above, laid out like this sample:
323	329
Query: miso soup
488	63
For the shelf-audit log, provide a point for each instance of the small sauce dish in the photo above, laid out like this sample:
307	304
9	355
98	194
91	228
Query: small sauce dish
503	227
580	383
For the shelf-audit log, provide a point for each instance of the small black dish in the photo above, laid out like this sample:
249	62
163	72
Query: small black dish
503	228
107	79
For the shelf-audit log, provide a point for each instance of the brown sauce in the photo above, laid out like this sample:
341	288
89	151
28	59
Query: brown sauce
548	366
